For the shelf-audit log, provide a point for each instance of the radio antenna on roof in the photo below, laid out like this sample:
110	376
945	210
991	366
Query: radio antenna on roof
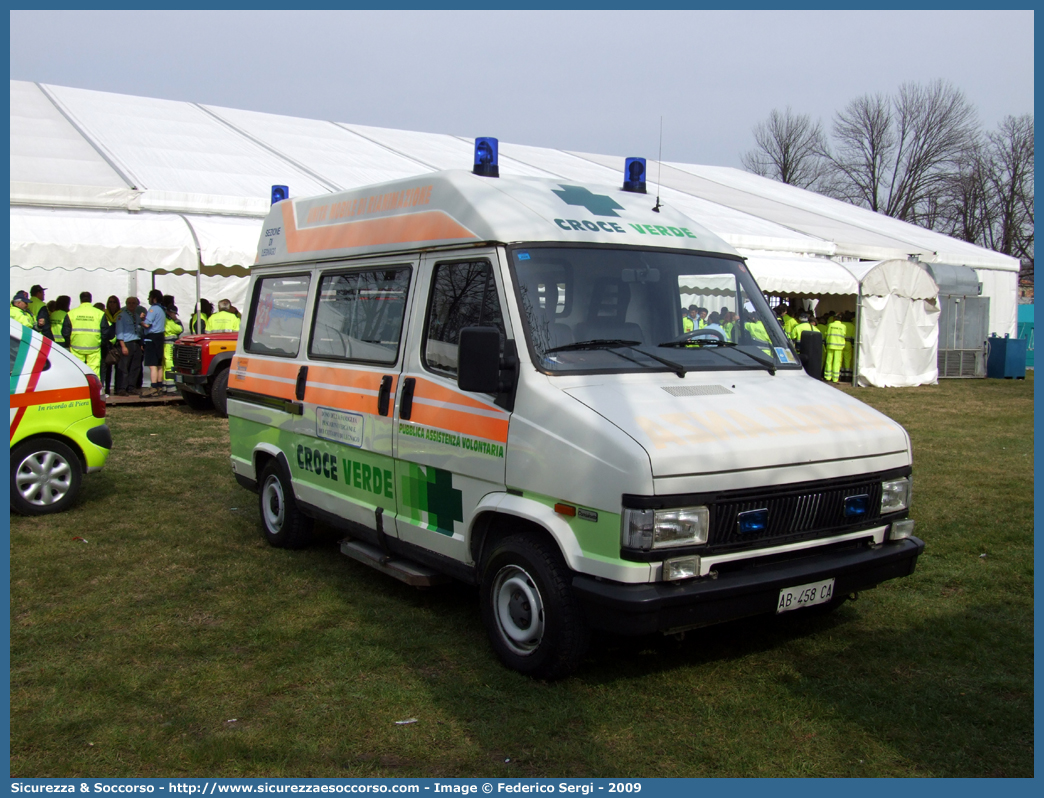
659	167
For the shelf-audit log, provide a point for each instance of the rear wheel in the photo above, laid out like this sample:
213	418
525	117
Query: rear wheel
533	619
194	400
45	477
284	525
219	393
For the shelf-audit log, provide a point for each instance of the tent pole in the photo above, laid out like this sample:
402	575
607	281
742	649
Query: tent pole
199	269
855	343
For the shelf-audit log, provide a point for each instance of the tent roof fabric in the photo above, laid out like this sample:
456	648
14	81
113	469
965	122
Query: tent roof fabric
68	238
151	160
905	278
783	274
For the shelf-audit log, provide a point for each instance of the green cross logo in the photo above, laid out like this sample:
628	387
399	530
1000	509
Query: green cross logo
434	494
597	204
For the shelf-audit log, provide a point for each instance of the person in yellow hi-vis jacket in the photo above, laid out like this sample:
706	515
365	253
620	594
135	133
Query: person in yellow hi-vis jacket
20	312
846	354
171	330
835	345
224	320
88	328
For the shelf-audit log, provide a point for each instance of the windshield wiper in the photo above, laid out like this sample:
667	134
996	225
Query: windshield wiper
699	343
616	343
767	362
596	343
678	344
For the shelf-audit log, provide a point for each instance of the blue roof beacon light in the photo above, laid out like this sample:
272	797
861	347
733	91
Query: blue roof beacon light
280	193
486	157
634	175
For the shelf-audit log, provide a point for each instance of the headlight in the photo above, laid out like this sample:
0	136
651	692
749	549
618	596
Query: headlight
646	530
895	495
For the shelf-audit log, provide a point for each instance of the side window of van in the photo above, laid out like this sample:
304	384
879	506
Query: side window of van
277	316
463	295
359	315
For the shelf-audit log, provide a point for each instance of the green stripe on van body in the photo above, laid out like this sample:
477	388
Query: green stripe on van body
359	475
598	538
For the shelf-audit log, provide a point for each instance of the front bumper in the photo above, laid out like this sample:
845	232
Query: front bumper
674	606
193	383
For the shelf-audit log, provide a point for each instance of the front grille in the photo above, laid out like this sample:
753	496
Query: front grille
188	359
794	512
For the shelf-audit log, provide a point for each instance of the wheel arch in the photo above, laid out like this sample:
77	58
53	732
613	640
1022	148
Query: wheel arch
61	438
263	454
499	514
219	362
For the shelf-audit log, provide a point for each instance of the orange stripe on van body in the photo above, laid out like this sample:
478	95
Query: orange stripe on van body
342	400
405	228
348	377
350	385
50	397
426	389
248	374
492	429
459	419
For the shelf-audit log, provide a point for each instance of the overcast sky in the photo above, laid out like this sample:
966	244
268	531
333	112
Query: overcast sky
596	81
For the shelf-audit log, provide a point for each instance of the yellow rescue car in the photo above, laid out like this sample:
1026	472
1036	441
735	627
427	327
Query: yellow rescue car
57	424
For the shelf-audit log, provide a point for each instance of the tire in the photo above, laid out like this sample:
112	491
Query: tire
219	393
283	523
195	400
45	477
533	619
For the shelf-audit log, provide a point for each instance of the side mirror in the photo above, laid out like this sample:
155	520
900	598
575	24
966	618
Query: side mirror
478	360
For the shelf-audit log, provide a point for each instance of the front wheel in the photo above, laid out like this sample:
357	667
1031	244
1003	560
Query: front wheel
194	400
533	619
219	393
284	525
45	477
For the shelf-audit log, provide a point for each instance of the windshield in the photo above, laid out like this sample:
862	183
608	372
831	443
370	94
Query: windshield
603	309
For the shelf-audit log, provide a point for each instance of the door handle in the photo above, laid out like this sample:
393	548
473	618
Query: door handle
302	378
384	395
406	400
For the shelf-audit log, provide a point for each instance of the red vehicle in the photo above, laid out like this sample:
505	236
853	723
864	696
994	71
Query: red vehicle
201	369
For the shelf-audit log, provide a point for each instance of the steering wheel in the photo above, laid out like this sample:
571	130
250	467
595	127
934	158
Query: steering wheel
692	336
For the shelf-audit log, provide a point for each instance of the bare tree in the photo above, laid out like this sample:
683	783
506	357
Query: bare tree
1011	177
988	198
893	155
789	149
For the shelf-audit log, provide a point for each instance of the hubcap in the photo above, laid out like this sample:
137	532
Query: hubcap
519	609
272	505
44	478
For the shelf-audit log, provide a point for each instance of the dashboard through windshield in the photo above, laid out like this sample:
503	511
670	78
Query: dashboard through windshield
605	309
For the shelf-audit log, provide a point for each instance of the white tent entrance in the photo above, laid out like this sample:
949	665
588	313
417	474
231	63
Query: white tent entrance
897	324
69	250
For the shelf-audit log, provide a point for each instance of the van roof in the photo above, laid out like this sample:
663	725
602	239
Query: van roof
455	207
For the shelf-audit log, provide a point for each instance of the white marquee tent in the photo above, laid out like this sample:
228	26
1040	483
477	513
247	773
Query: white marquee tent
111	192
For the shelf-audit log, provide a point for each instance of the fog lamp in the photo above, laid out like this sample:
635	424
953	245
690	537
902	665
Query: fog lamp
681	568
901	529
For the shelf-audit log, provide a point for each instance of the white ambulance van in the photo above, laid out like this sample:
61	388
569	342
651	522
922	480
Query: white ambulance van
489	378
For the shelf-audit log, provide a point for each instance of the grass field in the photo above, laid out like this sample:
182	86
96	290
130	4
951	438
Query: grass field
175	642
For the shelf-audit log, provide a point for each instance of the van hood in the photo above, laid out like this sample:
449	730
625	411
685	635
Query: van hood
744	422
